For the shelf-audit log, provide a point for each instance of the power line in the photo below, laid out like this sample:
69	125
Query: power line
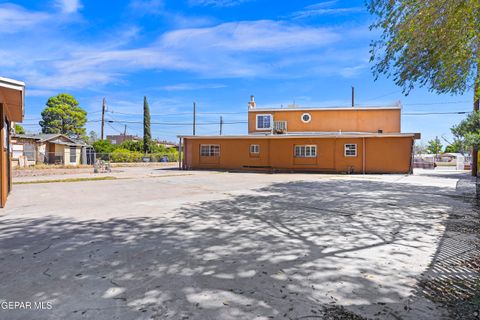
111	126
176	123
431	113
240	122
174	113
434	103
383	96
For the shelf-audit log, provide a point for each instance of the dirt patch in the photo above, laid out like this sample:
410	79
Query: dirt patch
67	180
51	170
453	279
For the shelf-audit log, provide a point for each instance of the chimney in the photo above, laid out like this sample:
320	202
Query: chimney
252	104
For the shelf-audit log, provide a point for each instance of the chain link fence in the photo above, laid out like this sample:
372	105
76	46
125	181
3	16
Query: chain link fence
132	157
26	158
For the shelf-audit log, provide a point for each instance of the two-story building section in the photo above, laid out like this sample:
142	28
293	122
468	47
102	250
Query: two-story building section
352	140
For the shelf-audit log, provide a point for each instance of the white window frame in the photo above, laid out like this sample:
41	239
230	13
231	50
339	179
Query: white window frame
306	151
346	148
280	125
73	156
264	115
309	117
213	150
255	148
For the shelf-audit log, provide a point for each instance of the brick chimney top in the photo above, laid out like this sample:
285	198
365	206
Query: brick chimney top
252	104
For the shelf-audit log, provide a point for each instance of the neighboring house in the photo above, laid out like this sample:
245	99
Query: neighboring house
167	144
450	157
353	139
50	149
424	161
119	138
12	109
461	161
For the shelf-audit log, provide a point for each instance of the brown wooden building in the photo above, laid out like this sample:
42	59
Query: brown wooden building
12	99
353	139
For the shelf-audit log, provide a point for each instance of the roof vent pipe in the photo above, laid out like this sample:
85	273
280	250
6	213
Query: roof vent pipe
353	96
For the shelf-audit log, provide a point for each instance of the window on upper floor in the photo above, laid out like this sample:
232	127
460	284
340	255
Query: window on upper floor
264	121
306	117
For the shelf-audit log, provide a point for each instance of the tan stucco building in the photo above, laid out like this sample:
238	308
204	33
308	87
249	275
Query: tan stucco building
49	149
353	140
12	109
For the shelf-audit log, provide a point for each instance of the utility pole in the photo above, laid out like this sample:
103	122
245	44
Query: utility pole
476	107
103	117
353	96
125	131
221	125
194	116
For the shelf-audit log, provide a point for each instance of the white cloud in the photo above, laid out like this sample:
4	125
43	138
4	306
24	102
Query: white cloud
322	4
192	86
350	72
322	9
216	3
69	6
262	48
263	35
14	18
209	52
147	6
39	93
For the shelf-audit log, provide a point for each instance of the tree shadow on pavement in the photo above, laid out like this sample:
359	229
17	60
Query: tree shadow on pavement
295	250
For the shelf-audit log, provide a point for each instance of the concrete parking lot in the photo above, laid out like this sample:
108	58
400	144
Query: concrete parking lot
160	243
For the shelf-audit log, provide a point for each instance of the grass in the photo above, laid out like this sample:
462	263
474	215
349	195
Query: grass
66	180
445	164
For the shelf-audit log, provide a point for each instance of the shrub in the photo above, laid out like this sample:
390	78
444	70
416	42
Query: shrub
103	146
124	155
157	157
131	145
173	156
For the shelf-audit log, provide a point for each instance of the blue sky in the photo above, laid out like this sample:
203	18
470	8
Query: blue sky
214	52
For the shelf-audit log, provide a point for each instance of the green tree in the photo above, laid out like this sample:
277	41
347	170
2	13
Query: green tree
467	131
147	134
19	129
419	148
63	115
132	145
139	146
434	146
431	43
455	147
103	146
92	137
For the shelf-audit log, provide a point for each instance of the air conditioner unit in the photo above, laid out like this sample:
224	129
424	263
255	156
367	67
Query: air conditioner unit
279	127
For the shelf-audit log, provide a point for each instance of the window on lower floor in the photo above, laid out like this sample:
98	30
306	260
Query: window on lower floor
254	148
306	151
209	150
29	152
350	150
73	154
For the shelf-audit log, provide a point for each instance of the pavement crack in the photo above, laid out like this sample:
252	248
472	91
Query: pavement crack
43	250
114	283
